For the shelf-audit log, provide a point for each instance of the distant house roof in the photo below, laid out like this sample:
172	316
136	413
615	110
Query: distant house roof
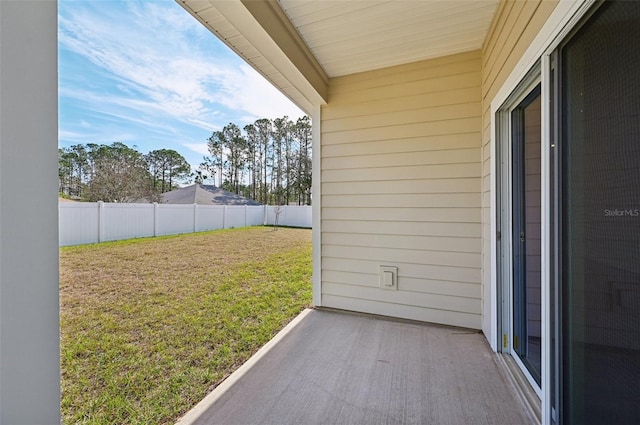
203	194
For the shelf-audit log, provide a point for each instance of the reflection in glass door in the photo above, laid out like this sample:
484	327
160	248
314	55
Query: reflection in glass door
526	214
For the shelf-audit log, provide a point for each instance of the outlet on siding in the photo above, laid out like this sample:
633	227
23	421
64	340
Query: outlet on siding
389	277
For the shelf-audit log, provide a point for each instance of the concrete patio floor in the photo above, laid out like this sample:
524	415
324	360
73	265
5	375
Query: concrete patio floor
330	367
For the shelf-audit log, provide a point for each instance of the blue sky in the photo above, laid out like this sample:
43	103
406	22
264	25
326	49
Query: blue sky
146	73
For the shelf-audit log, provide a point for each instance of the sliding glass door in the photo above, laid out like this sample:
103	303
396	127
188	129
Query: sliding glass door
599	237
526	234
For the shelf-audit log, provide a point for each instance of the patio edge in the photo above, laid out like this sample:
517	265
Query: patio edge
192	415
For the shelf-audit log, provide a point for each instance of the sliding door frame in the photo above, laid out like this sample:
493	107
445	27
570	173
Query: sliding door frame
506	201
539	61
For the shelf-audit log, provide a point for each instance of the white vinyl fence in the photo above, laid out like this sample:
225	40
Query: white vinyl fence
91	222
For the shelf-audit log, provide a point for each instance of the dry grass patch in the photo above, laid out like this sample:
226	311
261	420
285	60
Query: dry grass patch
149	326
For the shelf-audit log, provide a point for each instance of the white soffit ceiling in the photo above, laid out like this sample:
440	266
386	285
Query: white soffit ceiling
343	36
361	35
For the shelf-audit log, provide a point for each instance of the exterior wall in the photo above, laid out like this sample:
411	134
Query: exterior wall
514	27
401	177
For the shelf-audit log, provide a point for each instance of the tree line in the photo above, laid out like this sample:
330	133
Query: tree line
270	162
119	173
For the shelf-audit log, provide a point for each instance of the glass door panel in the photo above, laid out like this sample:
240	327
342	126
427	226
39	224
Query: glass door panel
600	227
527	323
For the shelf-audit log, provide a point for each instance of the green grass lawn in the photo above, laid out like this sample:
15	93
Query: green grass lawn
150	326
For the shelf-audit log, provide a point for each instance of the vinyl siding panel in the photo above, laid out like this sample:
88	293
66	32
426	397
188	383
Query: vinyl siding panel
418	144
412	130
401	182
408	88
413	270
417	72
392	227
457	156
419	200
435	99
440	287
386	308
466	185
514	27
415	172
444	244
384	119
437	215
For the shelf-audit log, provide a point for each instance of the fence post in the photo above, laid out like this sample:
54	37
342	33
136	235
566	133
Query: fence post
195	218
224	216
264	215
100	221
155	219
245	215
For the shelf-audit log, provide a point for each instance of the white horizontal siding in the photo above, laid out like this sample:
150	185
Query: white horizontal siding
401	186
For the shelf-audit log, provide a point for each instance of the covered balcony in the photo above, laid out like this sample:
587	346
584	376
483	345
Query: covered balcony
330	367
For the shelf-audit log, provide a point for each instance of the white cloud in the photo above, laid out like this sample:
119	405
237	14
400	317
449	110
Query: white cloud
204	125
156	54
72	136
123	109
257	97
200	148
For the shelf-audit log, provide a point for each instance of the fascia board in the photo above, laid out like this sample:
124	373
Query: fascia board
305	75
